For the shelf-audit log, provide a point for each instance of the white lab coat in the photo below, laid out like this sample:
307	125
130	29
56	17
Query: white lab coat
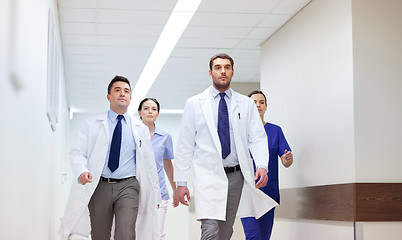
199	147
89	154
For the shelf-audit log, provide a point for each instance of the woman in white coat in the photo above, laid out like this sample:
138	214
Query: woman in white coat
162	144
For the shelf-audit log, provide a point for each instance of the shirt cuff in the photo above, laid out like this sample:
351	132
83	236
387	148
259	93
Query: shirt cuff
181	184
262	166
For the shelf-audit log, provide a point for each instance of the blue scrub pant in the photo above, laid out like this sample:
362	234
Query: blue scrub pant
259	229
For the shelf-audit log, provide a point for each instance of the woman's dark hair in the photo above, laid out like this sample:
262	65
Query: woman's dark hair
146	99
258	92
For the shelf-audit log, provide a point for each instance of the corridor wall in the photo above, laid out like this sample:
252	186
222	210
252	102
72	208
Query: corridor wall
33	156
333	83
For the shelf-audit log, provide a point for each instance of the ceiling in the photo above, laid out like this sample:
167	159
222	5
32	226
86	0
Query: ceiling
104	38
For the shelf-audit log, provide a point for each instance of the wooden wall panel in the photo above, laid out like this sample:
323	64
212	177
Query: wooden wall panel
378	202
343	202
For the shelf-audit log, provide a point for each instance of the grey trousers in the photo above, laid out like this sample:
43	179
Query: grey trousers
114	199
212	229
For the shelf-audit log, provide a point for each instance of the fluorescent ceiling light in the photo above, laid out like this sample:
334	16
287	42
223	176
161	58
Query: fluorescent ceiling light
174	28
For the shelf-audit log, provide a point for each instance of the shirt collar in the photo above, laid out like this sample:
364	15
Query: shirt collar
158	131
113	116
215	92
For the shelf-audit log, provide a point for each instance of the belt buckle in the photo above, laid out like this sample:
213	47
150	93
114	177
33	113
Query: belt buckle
109	181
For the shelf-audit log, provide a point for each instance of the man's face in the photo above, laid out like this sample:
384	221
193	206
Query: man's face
221	73
120	96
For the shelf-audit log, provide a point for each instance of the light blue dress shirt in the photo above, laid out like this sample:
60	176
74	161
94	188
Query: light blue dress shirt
127	152
231	160
163	149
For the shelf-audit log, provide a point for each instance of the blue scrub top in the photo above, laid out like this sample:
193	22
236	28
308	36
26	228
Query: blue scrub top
277	144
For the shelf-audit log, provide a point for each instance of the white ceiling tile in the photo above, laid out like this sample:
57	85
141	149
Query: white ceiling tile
226	19
249	44
216	32
104	38
79	15
274	20
196	53
77	3
157	5
133	16
109	40
261	33
207	43
250	6
73	39
118	50
138	30
246	53
78	49
290	6
78	28
72	58
117	68
126	41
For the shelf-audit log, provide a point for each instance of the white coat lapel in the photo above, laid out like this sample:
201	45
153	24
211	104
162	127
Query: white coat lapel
105	124
235	123
137	138
209	118
234	103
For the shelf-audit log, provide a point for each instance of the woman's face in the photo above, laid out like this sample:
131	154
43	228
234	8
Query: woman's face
149	112
260	102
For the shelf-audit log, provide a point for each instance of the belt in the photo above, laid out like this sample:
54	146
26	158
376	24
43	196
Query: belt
114	180
232	169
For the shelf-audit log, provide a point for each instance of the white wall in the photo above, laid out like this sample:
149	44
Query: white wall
378	230
377	51
332	76
32	155
307	75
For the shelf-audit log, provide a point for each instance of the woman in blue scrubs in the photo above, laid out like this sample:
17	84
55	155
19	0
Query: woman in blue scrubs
260	229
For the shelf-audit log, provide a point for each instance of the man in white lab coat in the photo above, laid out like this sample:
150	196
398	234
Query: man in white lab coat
219	130
112	160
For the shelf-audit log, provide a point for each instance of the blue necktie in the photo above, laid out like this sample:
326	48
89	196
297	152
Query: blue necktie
114	155
223	126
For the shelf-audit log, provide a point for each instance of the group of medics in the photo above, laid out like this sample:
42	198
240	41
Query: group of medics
120	164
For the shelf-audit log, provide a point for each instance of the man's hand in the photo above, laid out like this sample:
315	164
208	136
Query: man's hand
182	194
85	177
262	174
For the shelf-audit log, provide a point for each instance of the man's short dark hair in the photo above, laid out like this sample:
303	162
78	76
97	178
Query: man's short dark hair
117	78
220	55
